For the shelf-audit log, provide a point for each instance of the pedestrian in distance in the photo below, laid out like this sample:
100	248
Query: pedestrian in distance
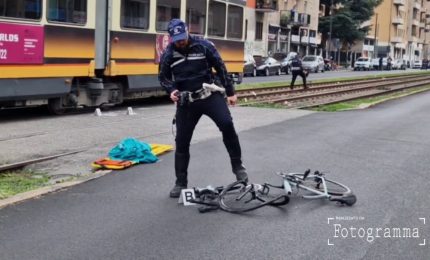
185	73
297	70
389	62
380	63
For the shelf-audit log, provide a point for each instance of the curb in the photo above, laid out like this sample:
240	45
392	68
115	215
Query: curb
49	189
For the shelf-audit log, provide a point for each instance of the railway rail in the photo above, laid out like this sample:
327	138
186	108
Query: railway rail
328	93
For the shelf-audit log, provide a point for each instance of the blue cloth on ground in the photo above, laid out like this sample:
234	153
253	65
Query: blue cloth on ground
133	150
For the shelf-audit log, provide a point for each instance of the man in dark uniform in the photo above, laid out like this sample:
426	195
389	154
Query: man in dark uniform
297	70
185	72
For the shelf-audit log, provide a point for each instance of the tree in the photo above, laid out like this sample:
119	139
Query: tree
347	17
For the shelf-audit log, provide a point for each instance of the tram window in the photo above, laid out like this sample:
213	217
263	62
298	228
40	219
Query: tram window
216	19
135	14
196	16
27	9
166	11
234	23
67	11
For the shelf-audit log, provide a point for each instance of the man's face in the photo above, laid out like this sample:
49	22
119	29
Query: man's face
182	44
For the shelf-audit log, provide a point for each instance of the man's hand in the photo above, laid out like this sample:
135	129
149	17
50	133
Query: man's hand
232	100
173	96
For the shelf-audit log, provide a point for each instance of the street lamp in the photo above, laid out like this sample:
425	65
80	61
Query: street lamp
375	43
331	27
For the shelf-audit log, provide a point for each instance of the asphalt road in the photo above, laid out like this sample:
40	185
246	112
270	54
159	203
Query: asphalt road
382	153
325	75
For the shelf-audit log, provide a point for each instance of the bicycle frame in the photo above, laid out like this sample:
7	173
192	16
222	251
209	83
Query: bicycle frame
290	181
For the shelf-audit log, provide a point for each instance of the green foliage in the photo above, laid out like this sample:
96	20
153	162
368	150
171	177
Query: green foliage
12	183
347	18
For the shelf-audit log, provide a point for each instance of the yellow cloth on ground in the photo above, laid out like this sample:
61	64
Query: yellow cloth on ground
107	163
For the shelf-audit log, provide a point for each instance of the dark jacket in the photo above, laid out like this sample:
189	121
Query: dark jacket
188	70
296	64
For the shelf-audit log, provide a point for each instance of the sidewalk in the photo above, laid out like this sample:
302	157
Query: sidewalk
38	137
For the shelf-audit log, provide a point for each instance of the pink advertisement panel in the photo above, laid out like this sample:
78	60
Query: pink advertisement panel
162	41
21	44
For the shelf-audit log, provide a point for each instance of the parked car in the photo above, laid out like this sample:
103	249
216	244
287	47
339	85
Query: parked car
279	56
313	63
267	66
286	62
417	64
375	63
363	63
399	65
249	68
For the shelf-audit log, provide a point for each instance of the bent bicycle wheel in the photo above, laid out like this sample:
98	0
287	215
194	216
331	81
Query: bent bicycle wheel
333	188
240	197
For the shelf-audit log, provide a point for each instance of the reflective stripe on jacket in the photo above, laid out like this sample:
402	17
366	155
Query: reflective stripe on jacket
188	70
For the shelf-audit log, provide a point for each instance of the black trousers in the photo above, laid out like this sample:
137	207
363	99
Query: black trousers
296	73
187	117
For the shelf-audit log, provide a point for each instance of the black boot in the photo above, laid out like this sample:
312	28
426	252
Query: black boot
239	170
181	171
176	191
232	144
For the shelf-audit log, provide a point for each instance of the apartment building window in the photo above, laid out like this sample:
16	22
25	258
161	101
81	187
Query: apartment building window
414	30
259	31
196	16
400	32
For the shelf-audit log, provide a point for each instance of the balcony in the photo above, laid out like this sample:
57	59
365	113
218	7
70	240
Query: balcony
417	5
415	22
365	24
305	40
399	2
402	8
266	5
291	18
400	27
295	38
413	38
368	47
398	20
313	40
400	45
299	19
396	39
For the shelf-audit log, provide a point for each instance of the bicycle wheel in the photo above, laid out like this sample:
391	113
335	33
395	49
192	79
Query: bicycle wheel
333	188
240	197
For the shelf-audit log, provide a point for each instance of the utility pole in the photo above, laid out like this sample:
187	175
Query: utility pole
375	44
331	28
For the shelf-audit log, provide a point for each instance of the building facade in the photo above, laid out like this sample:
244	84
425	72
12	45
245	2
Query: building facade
282	26
399	29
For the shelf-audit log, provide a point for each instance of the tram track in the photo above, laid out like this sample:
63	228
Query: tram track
328	93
